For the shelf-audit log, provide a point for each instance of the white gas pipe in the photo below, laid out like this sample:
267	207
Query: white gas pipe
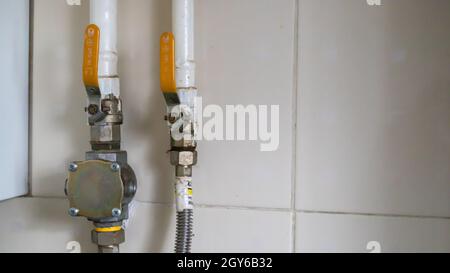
103	13
183	30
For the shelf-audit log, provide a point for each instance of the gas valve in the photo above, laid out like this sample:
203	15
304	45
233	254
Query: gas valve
102	186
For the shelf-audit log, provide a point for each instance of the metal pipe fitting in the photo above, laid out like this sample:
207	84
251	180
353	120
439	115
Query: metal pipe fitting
102	186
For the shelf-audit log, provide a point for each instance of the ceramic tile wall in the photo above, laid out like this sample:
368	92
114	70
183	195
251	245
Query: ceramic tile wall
364	136
374	107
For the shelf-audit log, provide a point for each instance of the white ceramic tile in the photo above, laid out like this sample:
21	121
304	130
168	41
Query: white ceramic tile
353	233
237	63
374	107
59	126
152	229
245	56
14	45
231	230
43	225
145	133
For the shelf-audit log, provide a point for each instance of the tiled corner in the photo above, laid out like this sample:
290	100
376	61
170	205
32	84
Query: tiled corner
374	107
318	232
245	60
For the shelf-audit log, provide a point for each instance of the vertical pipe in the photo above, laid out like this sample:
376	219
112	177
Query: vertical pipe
104	14
109	249
183	29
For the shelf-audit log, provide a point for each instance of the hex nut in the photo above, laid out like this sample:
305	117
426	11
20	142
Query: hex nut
105	133
184	142
108	238
183	158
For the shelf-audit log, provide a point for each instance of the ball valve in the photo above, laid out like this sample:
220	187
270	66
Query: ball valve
177	68
102	186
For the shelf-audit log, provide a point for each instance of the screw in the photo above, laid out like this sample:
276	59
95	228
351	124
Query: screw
172	119
115	167
116	212
92	109
73	212
73	167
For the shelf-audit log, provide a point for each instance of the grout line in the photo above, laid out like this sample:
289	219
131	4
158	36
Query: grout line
30	93
243	208
266	209
373	214
294	127
206	206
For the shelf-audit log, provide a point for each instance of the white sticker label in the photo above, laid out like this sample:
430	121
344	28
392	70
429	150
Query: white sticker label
183	193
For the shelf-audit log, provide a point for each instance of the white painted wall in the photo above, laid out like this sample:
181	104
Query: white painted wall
14	32
365	135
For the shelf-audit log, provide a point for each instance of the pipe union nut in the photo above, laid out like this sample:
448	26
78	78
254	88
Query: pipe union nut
108	238
183	158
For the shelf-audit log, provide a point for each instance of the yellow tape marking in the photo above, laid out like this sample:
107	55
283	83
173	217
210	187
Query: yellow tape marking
108	229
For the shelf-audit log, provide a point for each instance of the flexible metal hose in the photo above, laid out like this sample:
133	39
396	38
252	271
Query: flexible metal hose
184	231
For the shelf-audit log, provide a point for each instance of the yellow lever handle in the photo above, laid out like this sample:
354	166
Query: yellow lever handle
91	56
167	63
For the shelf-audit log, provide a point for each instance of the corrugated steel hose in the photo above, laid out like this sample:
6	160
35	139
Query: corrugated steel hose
184	231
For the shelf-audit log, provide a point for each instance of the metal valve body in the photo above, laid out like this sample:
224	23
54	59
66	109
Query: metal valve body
101	187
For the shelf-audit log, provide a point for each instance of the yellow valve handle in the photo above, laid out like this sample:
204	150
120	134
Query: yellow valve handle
90	70
167	63
167	69
91	56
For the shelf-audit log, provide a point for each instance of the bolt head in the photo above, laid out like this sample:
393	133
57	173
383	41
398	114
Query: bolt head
92	109
73	167
116	212
74	212
115	167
